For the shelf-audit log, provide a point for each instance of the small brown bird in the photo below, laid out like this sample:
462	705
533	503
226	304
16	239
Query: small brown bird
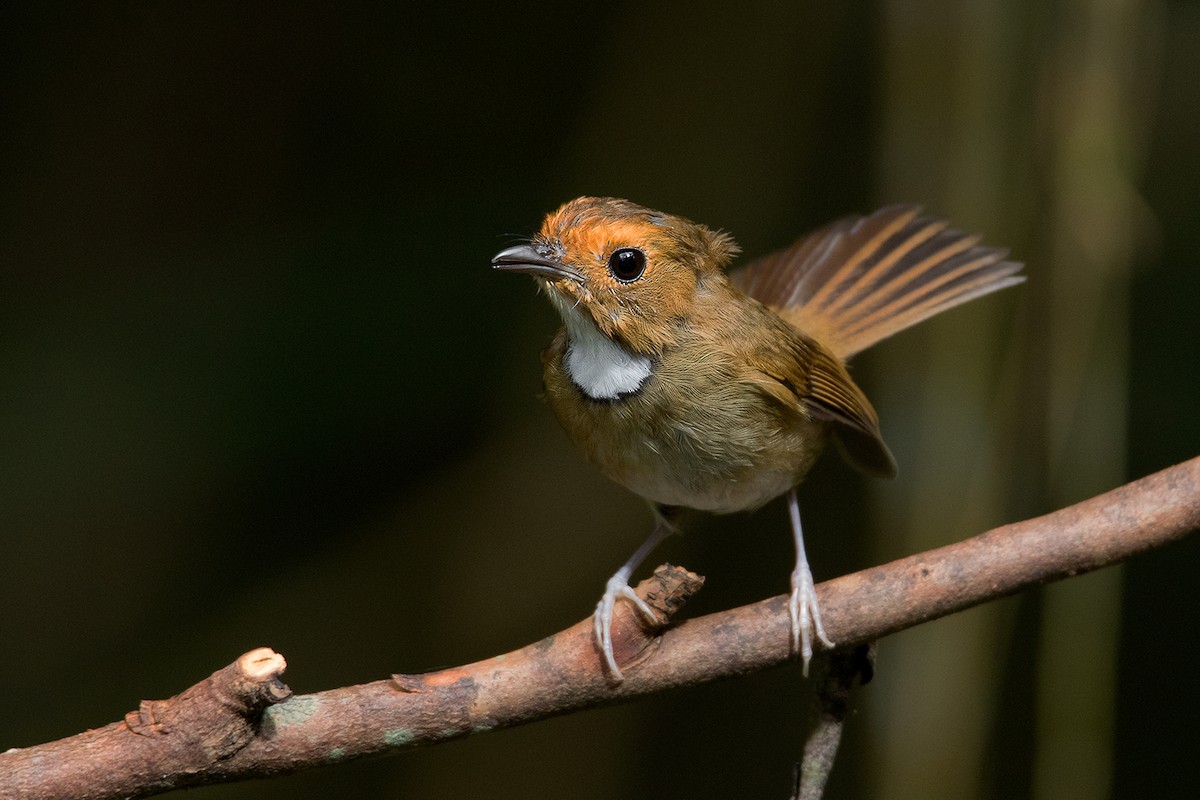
698	389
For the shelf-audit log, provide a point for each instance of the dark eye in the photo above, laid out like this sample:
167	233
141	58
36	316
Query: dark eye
627	264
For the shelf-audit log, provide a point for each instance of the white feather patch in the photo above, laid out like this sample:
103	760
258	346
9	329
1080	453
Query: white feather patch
599	366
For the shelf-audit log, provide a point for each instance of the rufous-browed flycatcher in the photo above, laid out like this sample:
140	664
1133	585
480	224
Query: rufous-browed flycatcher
717	391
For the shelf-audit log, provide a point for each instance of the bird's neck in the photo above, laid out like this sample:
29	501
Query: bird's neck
600	367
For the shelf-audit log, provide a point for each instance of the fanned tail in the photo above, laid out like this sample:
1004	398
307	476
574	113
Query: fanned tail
860	279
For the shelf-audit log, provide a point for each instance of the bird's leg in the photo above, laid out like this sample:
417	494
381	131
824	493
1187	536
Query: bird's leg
806	615
618	586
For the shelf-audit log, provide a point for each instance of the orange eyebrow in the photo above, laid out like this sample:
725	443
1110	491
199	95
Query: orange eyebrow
598	237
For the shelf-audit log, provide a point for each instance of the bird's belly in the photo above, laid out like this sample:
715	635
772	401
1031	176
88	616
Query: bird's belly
719	495
707	469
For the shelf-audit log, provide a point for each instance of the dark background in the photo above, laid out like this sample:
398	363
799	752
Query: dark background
260	386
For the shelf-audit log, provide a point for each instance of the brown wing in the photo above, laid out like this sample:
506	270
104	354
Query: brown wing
801	373
861	279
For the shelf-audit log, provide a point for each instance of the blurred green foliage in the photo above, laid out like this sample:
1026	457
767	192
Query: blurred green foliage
259	387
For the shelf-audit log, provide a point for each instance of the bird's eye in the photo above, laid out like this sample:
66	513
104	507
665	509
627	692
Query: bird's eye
627	264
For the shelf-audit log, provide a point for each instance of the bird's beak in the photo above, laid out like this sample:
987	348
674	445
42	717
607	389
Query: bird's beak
524	258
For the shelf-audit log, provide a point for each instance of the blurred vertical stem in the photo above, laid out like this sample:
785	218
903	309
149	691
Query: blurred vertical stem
957	122
949	73
1092	104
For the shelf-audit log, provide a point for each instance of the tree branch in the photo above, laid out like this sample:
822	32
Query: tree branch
834	678
218	730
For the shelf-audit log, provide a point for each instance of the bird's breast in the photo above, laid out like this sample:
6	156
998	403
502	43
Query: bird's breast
691	432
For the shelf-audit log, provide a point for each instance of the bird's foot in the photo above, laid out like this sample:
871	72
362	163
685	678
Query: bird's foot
617	587
806	616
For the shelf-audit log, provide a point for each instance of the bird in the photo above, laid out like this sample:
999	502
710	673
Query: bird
700	388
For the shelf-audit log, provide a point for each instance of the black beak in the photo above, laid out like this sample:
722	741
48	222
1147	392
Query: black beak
524	258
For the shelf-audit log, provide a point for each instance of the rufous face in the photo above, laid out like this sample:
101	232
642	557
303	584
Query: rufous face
631	270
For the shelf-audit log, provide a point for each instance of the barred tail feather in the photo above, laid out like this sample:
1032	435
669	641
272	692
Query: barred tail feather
861	279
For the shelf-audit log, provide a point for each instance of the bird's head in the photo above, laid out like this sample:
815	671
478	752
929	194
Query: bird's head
631	271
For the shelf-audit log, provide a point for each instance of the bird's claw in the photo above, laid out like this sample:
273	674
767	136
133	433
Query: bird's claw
616	588
806	616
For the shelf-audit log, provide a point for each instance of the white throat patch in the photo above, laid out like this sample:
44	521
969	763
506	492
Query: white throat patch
599	366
